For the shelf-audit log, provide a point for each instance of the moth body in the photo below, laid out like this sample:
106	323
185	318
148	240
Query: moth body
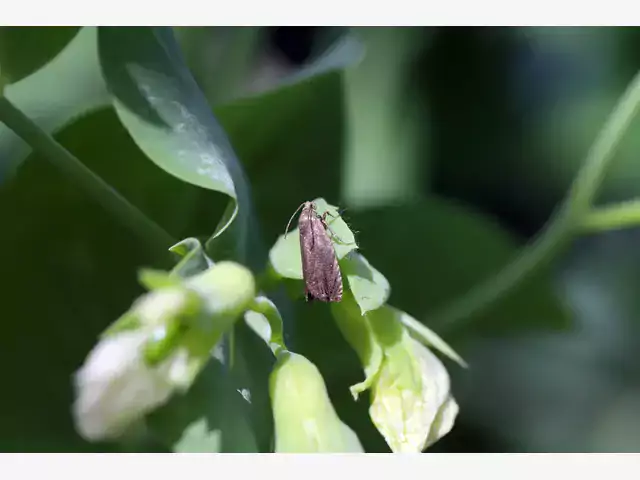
320	269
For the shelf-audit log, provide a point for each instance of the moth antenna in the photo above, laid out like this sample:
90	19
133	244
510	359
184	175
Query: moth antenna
286	230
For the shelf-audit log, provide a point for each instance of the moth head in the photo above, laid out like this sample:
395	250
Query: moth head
306	205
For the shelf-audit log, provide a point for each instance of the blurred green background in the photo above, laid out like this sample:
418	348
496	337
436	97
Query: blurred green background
449	147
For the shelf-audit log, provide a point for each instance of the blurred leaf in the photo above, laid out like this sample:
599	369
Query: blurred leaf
193	258
227	409
567	132
291	137
250	68
579	76
99	140
566	382
98	266
95	259
154	279
23	50
344	52
79	276
440	250
66	88
209	51
616	431
167	115
209	418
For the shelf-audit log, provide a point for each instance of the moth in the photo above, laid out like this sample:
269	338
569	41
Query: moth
320	270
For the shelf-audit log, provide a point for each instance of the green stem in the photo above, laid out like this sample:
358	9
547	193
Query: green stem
382	162
620	215
141	225
562	227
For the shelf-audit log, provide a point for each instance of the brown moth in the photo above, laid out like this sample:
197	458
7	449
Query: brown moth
320	270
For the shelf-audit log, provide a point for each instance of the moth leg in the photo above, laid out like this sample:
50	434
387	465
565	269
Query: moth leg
327	227
308	297
333	235
324	215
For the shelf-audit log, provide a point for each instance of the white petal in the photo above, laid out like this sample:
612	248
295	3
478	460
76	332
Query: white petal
412	406
114	387
437	384
157	305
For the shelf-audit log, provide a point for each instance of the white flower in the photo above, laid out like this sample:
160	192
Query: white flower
115	387
412	406
157	347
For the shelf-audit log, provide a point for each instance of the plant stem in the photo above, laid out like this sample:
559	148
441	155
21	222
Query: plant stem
382	162
563	225
141	225
619	215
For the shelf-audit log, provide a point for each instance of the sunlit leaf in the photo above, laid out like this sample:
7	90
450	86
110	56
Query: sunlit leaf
165	112
357	331
369	287
305	420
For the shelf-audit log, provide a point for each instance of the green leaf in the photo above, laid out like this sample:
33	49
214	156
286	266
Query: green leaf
346	51
153	279
64	89
265	320
73	271
221	59
211	417
357	331
211	50
369	287
23	50
424	335
165	112
285	256
226	409
193	258
278	149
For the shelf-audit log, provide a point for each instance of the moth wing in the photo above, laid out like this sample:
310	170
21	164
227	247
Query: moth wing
320	267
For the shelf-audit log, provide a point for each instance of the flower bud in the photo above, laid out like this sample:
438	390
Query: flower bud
115	387
305	420
411	405
158	346
411	401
